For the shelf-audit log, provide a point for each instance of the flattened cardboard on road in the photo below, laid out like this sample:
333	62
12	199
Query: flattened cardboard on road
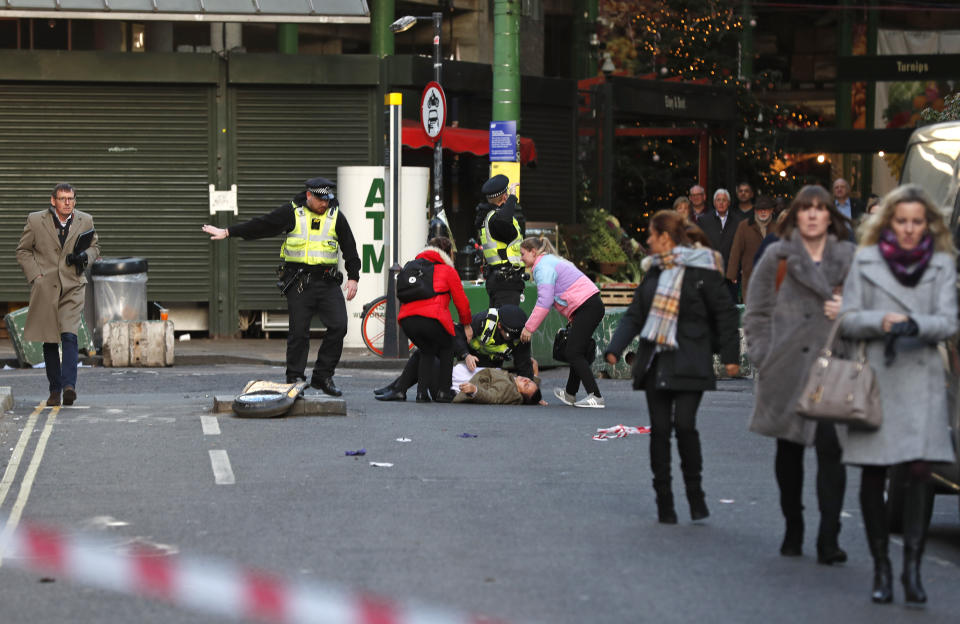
310	405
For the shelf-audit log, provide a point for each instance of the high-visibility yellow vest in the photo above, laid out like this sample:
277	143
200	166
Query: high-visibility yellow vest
491	246
307	245
483	343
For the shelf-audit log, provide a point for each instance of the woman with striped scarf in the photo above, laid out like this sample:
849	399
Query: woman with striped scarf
683	313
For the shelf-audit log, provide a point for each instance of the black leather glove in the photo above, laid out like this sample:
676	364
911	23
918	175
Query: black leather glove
905	328
79	260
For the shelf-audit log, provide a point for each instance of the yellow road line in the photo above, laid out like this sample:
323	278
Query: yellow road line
14	518
11	472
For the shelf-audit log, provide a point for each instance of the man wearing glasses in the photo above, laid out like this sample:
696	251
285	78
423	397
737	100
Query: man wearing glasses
698	202
57	286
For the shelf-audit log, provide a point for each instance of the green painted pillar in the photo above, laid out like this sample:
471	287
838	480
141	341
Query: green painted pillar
584	62
381	37
506	61
746	43
287	40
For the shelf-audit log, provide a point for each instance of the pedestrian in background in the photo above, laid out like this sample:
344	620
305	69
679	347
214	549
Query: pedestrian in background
720	226
429	325
850	207
682	206
746	243
745	199
57	281
901	298
576	297
794	296
316	232
680	309
698	202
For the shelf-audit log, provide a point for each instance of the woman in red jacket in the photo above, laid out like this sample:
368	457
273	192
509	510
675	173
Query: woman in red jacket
429	325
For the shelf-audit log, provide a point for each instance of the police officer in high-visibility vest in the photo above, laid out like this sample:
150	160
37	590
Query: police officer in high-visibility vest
316	232
496	339
500	226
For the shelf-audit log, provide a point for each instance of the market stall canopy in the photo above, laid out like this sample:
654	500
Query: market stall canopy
460	140
288	11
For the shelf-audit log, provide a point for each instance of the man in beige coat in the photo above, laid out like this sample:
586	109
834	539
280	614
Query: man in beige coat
57	286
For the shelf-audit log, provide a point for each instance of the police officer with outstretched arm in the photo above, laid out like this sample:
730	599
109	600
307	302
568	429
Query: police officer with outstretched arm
315	233
501	228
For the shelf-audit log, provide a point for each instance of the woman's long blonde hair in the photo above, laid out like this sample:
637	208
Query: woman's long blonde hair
539	245
880	220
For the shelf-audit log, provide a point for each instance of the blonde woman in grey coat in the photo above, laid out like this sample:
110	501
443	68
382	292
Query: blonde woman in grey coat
792	301
901	298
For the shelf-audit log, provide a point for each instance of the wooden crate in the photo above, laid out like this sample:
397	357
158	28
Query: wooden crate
617	294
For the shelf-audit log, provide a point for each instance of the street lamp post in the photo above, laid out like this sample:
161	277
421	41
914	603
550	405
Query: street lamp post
405	23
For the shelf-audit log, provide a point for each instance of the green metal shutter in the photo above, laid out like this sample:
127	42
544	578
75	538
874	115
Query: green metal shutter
283	137
139	156
550	186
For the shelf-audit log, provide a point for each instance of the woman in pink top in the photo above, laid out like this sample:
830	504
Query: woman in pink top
574	295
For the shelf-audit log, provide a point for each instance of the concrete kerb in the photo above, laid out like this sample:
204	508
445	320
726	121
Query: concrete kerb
306	405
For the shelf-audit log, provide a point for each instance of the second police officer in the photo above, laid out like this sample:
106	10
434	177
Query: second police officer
315	233
500	225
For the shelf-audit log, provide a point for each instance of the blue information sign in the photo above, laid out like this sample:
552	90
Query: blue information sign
503	141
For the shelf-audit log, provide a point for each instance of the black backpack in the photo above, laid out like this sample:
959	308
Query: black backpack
415	281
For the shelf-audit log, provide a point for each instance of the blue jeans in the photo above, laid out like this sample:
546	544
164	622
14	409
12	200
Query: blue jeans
61	375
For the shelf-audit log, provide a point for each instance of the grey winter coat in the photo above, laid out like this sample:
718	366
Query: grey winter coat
786	329
912	389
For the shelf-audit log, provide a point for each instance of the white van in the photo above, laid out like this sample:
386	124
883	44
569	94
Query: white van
932	160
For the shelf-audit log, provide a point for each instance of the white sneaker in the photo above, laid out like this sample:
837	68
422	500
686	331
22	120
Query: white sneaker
563	395
591	400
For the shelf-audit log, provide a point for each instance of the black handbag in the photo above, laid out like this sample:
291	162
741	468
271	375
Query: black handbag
560	347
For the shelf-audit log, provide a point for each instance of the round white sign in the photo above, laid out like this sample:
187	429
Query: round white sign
433	110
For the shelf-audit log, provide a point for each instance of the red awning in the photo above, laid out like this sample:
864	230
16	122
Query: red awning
462	140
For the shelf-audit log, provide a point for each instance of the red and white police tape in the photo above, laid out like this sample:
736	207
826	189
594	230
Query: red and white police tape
618	431
205	585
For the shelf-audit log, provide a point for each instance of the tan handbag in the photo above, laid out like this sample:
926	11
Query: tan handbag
841	391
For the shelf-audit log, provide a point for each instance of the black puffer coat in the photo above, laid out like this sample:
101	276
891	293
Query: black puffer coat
708	323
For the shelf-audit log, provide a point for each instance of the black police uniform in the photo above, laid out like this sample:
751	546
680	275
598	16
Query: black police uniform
504	283
315	291
511	317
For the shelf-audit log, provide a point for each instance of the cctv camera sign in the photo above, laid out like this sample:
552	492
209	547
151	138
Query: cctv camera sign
433	110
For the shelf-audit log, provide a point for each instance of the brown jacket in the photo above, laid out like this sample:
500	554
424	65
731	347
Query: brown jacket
746	242
56	291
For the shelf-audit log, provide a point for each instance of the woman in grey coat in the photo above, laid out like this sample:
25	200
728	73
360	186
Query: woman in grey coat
793	297
901	298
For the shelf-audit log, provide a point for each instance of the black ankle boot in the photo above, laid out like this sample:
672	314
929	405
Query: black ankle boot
444	396
392	394
882	581
423	395
917	509
792	545
698	503
666	514
384	390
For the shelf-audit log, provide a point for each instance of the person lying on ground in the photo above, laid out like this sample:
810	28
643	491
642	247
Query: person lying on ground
494	386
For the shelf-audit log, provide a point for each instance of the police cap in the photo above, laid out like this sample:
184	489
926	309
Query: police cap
321	187
512	320
495	186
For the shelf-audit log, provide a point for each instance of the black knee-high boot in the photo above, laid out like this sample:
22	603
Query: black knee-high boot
691	464
789	471
874	512
660	465
917	509
831	486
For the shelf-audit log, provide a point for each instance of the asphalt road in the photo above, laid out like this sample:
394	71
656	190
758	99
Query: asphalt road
529	521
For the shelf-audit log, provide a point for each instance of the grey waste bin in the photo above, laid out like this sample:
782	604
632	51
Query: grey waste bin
120	292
